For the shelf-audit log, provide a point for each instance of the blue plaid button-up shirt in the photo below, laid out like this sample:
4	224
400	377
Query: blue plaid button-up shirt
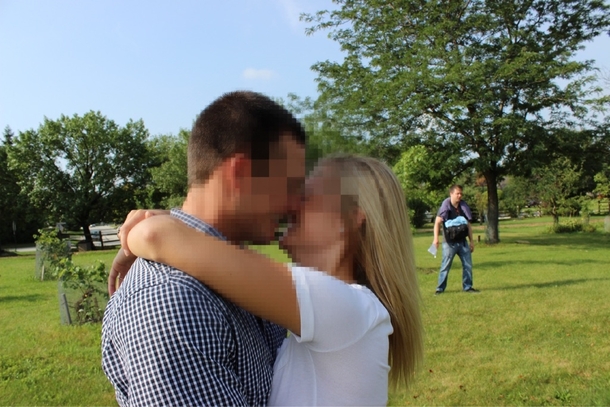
169	340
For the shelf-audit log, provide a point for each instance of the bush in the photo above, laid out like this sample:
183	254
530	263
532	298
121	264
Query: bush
50	252
417	212
86	283
572	226
571	207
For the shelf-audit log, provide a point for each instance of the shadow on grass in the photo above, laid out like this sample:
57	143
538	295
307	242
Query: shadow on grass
558	283
580	240
28	298
427	270
487	265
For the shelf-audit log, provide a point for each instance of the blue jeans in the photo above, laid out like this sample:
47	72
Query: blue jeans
462	249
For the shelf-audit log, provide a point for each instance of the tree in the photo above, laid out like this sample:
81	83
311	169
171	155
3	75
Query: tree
587	149
517	194
556	184
572	158
13	205
169	176
602	185
604	75
324	136
485	78
82	169
425	185
602	176
8	136
602	180
9	190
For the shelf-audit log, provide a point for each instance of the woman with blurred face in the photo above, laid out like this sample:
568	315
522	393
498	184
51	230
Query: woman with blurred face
350	300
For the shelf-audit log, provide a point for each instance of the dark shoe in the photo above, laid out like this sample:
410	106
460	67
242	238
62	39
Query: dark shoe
472	291
438	292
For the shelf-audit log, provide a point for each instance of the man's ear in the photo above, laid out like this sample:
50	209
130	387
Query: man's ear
235	170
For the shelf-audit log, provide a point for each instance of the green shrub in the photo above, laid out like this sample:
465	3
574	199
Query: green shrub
417	212
572	226
89	283
50	252
569	226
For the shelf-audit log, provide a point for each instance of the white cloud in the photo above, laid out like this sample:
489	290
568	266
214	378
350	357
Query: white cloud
292	12
258	74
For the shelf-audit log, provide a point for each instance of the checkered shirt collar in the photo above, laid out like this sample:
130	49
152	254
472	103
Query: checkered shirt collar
196	223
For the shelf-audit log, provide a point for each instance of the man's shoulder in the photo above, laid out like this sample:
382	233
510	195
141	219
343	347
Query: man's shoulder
147	274
444	208
168	339
446	203
150	284
156	292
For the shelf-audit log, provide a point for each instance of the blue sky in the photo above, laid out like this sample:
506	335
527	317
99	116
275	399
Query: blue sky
159	61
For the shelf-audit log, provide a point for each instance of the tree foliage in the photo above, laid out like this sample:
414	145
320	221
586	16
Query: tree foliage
556	186
9	190
483	79
82	169
324	136
423	179
169	177
13	204
602	182
517	193
588	149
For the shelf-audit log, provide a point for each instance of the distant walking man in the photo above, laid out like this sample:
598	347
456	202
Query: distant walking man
454	216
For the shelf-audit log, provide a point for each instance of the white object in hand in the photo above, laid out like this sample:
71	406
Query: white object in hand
432	249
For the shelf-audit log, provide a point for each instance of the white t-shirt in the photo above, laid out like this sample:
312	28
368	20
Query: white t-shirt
341	357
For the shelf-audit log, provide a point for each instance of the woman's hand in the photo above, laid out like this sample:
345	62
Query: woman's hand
120	266
124	258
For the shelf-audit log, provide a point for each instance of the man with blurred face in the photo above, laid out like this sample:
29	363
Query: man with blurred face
455	215
168	339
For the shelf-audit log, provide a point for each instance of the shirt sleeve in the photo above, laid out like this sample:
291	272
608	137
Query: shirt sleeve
179	350
443	211
466	210
334	314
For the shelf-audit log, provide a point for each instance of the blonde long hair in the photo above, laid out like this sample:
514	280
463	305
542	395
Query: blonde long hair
383	250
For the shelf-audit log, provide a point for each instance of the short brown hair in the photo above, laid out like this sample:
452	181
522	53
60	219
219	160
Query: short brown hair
454	187
238	122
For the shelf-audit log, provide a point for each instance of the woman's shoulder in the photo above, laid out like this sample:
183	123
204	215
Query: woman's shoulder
336	296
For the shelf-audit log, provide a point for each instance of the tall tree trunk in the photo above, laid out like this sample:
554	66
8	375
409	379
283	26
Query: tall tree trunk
88	238
553	210
492	233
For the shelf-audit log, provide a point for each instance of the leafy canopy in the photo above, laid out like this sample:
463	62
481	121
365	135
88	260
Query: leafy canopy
81	169
484	79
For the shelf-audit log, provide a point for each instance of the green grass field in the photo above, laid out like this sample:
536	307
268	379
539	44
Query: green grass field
537	334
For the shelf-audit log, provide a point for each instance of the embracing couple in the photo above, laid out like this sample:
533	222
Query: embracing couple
199	319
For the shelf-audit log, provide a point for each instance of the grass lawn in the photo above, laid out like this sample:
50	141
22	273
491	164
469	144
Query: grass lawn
41	361
537	334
